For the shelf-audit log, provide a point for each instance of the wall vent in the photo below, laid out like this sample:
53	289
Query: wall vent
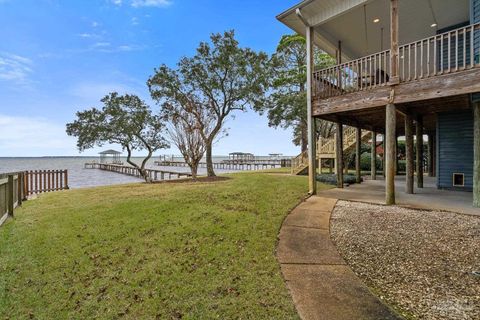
458	180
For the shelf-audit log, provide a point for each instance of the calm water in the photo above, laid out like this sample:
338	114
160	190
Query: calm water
78	177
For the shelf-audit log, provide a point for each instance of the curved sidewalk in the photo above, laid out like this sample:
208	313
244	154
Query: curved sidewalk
319	280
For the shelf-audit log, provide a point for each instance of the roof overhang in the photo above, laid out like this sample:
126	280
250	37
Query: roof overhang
351	22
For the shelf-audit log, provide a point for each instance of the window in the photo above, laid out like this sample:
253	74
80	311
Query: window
458	180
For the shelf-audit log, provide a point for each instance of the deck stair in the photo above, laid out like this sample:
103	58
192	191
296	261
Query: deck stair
326	149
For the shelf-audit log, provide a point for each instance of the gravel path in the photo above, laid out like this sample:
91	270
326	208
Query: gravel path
421	262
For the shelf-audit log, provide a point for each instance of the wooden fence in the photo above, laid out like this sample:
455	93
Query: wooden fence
39	181
15	187
11	193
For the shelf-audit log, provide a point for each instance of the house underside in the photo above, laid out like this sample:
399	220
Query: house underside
404	68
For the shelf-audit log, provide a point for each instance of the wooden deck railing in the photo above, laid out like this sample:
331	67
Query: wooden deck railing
449	52
356	75
39	181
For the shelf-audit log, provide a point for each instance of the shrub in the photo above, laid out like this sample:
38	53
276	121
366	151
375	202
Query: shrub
332	178
365	162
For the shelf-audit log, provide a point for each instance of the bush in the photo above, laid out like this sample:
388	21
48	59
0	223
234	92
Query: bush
402	166
332	178
365	162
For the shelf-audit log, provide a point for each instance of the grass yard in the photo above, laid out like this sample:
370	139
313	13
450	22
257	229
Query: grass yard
168	251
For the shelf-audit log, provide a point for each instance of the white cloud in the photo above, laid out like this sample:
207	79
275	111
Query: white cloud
88	35
134	21
33	135
151	3
15	68
107	47
142	3
101	44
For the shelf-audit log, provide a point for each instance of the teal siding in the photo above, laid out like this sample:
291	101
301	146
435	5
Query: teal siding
443	64
454	149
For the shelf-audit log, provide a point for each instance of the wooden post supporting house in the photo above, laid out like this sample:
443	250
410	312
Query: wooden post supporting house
390	126
312	163
409	153
476	154
339	154
394	56
419	150
373	165
390	112
358	151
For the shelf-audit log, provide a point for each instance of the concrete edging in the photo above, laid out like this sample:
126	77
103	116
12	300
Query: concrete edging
320	282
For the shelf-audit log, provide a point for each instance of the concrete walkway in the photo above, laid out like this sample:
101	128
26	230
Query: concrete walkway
320	282
429	197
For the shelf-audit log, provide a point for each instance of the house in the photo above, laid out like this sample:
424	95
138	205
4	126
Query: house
404	68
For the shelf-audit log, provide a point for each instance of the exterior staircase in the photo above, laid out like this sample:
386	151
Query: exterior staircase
326	149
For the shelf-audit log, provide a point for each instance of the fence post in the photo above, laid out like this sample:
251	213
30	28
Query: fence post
66	179
25	185
20	188
10	196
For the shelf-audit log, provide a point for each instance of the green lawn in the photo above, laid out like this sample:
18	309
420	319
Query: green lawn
169	251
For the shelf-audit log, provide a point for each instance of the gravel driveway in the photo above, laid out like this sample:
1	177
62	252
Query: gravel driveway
421	262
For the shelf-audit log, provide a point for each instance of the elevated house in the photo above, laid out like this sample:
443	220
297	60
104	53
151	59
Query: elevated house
404	68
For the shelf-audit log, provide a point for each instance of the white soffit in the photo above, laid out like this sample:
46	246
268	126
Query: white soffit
351	22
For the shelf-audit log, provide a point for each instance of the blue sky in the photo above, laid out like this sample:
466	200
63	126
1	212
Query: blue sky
59	56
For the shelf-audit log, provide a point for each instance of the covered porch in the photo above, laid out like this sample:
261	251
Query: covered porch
401	65
428	197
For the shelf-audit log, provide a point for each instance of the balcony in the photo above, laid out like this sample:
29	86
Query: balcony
450	53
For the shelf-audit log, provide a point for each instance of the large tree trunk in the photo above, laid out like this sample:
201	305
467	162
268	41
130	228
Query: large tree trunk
210	172
194	170
143	172
141	169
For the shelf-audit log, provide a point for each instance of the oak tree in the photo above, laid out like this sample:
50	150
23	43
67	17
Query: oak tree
125	120
222	76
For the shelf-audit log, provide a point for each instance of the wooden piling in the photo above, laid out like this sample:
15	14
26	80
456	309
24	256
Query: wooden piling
409	153
419	147
373	163
390	126
358	151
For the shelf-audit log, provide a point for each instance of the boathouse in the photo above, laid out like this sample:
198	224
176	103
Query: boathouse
404	68
110	157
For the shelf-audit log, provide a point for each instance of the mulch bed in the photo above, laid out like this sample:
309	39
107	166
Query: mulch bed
423	263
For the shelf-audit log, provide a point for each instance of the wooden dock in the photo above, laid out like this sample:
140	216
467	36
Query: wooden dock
232	164
154	174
